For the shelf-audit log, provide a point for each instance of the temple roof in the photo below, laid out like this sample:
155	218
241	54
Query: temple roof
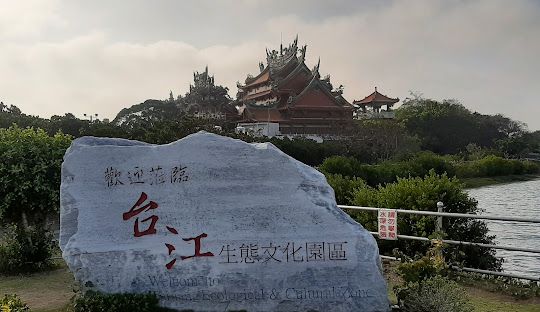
280	63
262	114
263	77
299	69
316	83
257	95
292	92
376	98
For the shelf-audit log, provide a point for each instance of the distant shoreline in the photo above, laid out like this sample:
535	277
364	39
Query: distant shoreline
485	181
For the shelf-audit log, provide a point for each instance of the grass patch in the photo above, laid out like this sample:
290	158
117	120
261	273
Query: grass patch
51	292
485	181
43	292
486	295
482	304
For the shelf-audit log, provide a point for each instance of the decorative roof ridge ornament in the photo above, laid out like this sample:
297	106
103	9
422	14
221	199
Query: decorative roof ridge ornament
278	59
290	100
303	53
315	70
249	78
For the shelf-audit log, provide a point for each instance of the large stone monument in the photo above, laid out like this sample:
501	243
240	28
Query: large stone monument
211	223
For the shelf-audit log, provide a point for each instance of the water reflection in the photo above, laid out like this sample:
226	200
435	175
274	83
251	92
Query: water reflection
520	199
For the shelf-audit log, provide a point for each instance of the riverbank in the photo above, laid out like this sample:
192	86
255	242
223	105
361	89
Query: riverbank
485	181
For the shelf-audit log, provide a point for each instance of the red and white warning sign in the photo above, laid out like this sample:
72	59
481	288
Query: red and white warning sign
388	224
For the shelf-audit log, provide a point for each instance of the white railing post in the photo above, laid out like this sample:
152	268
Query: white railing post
439	225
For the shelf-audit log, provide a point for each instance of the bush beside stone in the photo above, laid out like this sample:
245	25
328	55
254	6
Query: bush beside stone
98	302
25	250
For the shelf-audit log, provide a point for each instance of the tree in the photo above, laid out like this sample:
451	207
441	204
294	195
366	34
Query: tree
10	115
104	129
68	124
533	141
442	127
167	131
146	114
376	140
30	174
447	127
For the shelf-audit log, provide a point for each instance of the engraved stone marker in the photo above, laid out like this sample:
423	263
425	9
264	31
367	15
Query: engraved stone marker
211	223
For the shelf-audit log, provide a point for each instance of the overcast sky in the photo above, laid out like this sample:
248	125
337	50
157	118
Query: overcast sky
80	56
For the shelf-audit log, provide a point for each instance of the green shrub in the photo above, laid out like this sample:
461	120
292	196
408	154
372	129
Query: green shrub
436	294
518	167
387	172
530	167
30	174
491	166
12	303
420	164
344	187
25	250
428	266
98	302
423	162
423	194
308	151
345	166
467	170
383	173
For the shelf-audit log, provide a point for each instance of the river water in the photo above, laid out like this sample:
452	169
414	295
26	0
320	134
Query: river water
519	199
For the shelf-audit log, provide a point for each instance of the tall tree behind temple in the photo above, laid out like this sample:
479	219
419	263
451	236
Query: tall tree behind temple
447	127
376	140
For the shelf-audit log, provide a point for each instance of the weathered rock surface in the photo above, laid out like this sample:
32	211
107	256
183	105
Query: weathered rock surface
211	223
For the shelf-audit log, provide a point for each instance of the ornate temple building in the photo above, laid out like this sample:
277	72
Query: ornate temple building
207	100
371	107
288	98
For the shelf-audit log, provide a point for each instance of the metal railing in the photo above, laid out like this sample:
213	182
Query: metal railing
440	214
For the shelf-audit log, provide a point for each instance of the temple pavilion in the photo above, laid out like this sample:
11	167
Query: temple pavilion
288	98
371	107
